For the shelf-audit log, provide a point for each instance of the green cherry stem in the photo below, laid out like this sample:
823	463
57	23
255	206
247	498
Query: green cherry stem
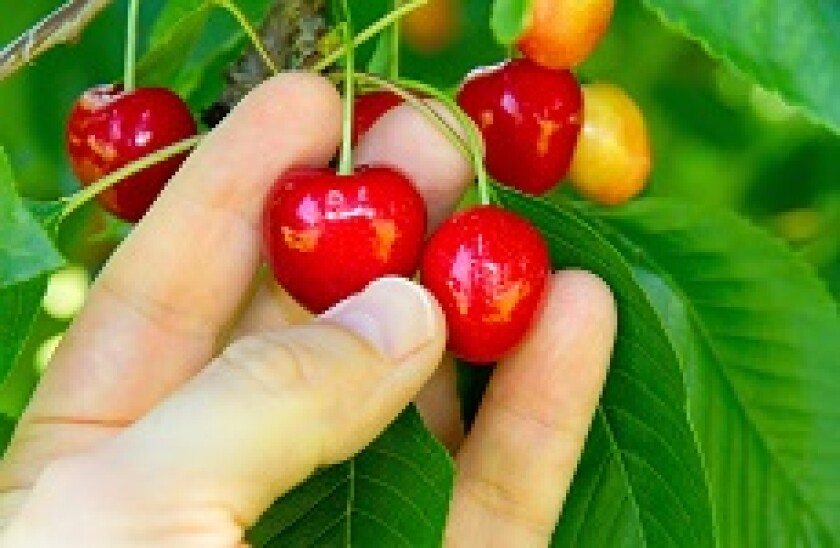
345	166
250	31
88	193
369	32
428	112
131	45
476	142
394	72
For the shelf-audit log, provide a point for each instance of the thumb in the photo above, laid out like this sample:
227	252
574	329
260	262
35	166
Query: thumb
275	407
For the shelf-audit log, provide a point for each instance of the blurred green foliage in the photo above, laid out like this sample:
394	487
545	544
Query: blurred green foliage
718	138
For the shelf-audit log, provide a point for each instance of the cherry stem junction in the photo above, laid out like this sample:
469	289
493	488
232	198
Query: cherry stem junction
90	192
394	73
476	142
131	45
370	32
428	112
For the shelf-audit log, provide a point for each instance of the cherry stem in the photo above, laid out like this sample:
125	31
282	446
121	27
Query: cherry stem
428	112
345	166
90	192
369	32
131	45
395	45
476	142
250	31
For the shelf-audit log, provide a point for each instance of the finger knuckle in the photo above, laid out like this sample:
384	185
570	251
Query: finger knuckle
275	365
504	500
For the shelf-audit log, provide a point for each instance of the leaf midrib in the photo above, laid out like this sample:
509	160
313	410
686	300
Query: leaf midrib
351	498
602	414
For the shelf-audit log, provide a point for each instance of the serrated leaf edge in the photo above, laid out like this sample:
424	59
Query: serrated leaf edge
681	27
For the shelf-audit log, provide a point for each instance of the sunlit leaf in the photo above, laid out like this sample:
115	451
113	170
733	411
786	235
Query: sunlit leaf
791	48
759	337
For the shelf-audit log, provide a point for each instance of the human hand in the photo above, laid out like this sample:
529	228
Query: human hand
152	428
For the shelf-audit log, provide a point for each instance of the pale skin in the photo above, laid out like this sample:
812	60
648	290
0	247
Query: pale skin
190	393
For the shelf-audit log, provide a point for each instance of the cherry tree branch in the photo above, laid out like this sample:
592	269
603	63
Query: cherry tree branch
290	33
60	27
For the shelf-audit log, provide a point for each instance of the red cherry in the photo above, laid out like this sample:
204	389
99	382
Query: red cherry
110	128
327	236
488	268
369	108
530	118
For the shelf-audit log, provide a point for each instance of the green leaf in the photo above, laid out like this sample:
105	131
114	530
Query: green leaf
509	19
641	481
192	43
790	47
380	61
48	214
7	428
394	493
174	37
26	250
205	77
759	337
19	307
172	16
472	382
27	256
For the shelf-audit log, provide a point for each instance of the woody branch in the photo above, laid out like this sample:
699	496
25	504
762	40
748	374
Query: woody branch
62	26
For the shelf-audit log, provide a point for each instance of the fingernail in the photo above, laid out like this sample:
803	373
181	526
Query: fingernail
395	315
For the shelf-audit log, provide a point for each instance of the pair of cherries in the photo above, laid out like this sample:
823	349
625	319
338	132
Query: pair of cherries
327	236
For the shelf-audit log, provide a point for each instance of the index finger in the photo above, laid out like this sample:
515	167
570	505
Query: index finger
156	310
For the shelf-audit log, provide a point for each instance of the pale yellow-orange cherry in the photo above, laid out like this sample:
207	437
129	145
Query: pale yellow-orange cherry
434	26
562	33
612	160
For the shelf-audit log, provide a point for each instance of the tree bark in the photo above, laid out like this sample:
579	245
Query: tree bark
291	33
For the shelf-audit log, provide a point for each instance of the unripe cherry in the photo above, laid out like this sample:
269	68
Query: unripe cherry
613	157
562	33
434	26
